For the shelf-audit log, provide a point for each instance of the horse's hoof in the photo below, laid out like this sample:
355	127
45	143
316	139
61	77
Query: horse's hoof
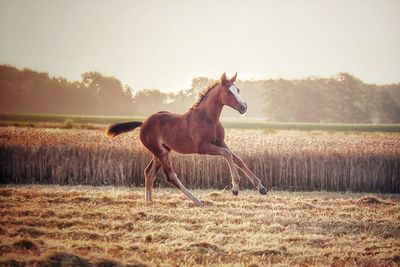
263	191
235	193
200	204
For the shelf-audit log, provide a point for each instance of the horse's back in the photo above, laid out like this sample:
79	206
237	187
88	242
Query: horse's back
156	121
161	118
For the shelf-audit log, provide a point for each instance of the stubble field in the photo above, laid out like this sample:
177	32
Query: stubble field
112	226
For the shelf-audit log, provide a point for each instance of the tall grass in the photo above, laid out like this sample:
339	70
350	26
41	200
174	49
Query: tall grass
338	163
296	171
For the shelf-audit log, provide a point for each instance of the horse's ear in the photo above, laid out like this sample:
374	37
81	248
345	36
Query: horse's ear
223	78
233	79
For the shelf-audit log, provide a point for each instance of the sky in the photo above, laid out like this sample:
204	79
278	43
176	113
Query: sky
165	44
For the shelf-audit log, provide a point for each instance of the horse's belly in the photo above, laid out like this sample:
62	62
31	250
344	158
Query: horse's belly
181	143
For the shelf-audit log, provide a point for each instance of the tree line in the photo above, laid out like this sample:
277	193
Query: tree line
341	98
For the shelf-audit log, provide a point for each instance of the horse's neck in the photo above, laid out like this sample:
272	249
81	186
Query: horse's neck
211	107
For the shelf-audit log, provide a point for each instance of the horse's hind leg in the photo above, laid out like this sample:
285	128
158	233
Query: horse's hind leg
149	174
173	179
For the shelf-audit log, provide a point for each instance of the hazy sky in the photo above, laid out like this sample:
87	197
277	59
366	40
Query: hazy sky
164	44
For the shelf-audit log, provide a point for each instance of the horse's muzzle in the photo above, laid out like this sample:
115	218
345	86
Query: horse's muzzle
242	108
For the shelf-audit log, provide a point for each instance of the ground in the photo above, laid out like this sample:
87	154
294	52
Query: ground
82	226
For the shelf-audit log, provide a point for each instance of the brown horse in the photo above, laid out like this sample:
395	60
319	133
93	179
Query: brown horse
196	131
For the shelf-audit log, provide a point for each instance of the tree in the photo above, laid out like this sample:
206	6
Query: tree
110	96
148	101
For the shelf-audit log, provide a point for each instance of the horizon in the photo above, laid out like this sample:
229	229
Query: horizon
164	46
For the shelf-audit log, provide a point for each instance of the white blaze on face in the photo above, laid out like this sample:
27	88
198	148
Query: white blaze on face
235	92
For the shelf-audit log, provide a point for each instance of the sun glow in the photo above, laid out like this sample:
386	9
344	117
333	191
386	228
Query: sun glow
157	44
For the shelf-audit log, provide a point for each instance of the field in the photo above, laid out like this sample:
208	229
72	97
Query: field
87	121
112	226
284	160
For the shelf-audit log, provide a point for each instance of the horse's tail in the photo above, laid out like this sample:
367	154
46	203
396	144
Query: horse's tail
119	128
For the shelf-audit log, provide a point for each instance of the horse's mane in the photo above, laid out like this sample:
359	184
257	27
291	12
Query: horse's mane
204	92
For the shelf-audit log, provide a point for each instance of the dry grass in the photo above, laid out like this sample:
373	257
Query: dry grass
106	226
283	160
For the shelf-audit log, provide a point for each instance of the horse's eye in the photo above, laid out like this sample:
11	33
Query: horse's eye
238	90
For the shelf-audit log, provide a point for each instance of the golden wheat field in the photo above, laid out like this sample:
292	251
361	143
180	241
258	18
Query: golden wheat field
113	226
284	160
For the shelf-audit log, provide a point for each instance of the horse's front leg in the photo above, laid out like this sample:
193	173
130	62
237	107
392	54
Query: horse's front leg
211	149
252	177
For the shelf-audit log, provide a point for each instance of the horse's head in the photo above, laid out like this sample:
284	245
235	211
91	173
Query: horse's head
230	94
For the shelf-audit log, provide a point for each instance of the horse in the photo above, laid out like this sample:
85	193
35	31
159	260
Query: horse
197	131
